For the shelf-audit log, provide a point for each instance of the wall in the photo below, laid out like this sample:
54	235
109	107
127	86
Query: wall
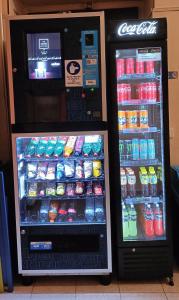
172	16
4	130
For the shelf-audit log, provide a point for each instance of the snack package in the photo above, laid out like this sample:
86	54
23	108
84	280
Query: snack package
32	191
79	145
79	190
97	187
97	168
70	145
88	168
41	189
87	146
51	171
60	191
32	170
97	145
42	170
60	170
31	147
79	169
50	146
69	167
50	189
41	148
70	189
89	188
59	148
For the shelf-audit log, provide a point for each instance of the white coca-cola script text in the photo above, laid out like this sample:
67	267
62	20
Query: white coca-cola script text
146	27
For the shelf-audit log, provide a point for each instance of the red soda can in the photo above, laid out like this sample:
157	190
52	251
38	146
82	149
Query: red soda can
130	65
121	92
128	92
139	67
120	67
143	91
150	66
154	91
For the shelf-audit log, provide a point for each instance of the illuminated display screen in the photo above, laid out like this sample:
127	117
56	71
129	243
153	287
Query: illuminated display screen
44	55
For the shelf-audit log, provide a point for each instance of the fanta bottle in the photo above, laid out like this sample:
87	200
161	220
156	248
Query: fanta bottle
158	221
149	221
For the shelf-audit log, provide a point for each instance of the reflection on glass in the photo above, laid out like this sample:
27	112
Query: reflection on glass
61	179
139	99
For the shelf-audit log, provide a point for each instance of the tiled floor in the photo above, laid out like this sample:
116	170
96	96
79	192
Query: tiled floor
88	288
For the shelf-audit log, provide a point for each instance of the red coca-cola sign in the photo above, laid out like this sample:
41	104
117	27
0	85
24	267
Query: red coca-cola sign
143	28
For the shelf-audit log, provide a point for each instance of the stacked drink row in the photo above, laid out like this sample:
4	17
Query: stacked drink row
131	65
65	211
147	217
133	119
47	147
137	149
51	189
149	178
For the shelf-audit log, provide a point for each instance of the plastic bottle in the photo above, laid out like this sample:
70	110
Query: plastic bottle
99	211
152	182
158	221
149	221
125	222
132	221
131	180
62	213
144	180
43	213
71	213
123	183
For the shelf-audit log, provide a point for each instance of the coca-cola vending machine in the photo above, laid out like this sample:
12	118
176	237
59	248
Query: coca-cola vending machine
138	116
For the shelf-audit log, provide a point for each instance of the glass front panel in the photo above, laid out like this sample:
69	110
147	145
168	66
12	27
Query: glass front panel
140	125
61	179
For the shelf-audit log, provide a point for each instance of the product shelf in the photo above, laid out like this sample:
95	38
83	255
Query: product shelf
143	77
59	159
64	197
138	163
67	180
80	222
136	102
143	200
139	130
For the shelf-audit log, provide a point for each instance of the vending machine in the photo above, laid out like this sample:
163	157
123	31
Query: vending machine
138	115
56	68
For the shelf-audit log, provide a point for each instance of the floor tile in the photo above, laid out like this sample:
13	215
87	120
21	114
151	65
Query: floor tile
91	285
12	296
53	297
107	296
140	286
54	285
143	296
172	296
171	289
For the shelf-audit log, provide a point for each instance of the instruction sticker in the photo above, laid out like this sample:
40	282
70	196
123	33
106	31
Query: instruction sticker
73	73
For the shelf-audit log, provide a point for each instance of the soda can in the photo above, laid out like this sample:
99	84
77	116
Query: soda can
121	150
151	149
131	118
139	67
128	149
121	119
143	149
153	91
135	149
149	90
144	119
130	65
150	67
120	92
120	67
142	91
128	92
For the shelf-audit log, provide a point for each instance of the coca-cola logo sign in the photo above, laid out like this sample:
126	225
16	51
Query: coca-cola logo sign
144	28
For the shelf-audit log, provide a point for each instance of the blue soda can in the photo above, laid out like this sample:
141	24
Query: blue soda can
143	149
135	149
151	149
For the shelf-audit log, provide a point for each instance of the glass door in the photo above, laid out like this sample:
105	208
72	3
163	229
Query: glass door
61	179
140	126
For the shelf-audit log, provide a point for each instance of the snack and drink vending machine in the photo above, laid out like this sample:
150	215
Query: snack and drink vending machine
60	144
139	131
